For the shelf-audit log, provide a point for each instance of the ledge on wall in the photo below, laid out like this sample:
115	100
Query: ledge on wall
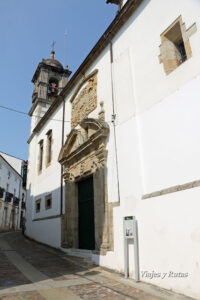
114	1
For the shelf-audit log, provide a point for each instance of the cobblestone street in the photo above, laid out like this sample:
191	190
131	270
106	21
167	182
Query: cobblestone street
31	271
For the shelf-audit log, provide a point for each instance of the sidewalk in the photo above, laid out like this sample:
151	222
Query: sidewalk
31	271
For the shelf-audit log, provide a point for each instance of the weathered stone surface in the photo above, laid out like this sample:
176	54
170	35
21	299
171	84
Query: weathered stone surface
85	102
84	154
169	54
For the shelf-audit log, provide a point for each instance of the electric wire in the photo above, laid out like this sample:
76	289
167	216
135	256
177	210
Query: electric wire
26	114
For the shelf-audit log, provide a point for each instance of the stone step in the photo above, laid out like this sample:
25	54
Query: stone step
77	252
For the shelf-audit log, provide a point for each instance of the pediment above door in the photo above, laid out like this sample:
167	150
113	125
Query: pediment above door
84	148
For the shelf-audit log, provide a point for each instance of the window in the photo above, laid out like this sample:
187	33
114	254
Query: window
53	86
7	187
48	201
37	205
14	192
40	155
9	174
0	165
175	48
49	148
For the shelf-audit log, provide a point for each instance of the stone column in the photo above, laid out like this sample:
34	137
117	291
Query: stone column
70	226
101	212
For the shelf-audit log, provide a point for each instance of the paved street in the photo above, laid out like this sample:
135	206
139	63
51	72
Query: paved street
31	271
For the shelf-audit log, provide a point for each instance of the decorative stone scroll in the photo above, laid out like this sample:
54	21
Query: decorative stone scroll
85	102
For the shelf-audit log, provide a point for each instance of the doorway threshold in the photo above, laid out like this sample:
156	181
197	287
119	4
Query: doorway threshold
77	252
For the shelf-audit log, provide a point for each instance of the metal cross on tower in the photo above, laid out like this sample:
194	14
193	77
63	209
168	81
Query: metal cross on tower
52	45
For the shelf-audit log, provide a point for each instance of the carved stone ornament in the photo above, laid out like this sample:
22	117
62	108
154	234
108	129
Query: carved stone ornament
83	155
85	102
84	150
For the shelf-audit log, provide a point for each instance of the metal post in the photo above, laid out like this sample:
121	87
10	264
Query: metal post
133	237
136	251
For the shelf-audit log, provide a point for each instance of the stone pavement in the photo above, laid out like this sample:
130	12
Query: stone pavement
31	271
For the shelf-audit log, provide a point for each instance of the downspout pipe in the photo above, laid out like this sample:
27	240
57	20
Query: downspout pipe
61	177
114	117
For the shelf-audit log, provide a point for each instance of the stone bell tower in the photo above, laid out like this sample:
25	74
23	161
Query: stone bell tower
49	79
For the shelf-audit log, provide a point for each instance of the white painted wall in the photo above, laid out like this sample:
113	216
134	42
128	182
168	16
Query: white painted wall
157	138
157	132
15	162
47	182
8	176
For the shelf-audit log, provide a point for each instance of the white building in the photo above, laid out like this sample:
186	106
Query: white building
124	132
12	191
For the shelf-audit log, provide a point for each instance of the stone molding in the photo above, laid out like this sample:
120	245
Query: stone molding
48	134
84	154
47	218
38	201
84	150
83	81
173	189
48	197
169	54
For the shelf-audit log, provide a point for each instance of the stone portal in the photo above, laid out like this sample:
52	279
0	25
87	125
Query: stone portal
84	156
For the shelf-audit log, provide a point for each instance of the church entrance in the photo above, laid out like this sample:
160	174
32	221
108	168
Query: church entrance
86	222
88	219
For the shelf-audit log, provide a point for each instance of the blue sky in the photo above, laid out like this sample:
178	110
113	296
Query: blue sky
27	29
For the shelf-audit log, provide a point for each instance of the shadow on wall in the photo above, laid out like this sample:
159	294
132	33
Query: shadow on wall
87	219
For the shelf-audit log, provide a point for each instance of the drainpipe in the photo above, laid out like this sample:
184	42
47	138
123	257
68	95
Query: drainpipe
114	117
61	178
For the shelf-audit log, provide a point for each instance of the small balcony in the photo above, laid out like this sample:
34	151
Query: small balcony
8	197
23	205
15	201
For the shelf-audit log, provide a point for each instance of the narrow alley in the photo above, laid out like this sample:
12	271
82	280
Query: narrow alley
32	271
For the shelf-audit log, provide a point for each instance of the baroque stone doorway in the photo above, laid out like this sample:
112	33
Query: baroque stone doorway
84	155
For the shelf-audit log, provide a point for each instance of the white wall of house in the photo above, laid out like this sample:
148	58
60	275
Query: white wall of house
15	162
157	126
47	182
11	182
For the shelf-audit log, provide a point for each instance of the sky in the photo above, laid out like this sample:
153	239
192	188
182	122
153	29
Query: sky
27	30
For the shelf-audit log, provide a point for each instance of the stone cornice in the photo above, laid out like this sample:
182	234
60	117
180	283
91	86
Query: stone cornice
48	67
121	18
84	79
35	104
173	189
88	145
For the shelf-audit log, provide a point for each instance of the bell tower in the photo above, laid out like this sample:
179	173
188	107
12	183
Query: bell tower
49	79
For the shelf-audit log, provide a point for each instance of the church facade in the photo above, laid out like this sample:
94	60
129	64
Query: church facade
120	138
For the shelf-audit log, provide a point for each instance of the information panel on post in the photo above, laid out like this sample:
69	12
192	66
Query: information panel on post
128	226
131	236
